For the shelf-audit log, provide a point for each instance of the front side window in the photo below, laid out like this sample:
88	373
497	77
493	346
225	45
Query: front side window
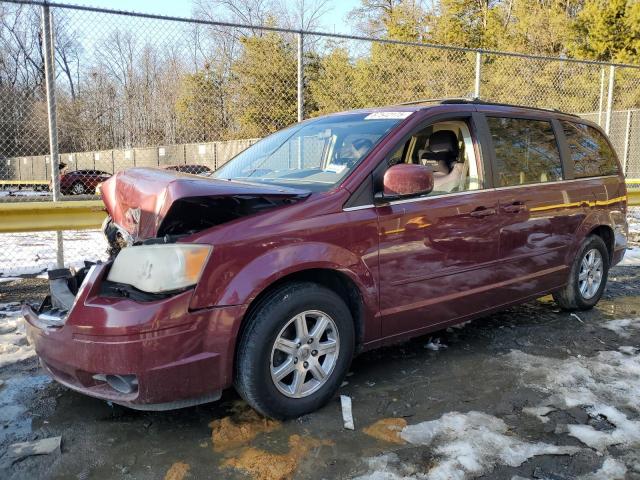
526	151
591	153
316	154
447	147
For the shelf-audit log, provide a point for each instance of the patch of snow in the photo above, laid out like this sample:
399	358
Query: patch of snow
24	193
539	412
626	433
611	469
633	219
389	467
435	345
35	252
631	257
10	309
9	279
623	326
602	385
629	350
466	445
13	340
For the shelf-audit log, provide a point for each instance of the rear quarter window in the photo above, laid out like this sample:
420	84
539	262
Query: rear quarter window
526	151
590	151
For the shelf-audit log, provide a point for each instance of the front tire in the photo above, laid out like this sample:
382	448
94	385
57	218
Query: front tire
295	350
587	278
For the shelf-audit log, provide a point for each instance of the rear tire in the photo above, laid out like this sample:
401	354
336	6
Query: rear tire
295	350
587	277
78	188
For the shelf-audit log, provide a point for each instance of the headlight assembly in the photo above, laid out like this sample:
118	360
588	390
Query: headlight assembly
160	268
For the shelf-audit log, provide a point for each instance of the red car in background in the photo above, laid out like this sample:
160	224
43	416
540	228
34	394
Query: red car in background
82	182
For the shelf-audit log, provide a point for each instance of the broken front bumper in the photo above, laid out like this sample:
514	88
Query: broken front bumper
153	355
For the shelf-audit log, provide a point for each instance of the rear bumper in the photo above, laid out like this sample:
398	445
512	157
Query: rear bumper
177	357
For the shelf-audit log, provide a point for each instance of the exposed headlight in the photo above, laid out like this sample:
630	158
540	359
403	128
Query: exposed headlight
160	268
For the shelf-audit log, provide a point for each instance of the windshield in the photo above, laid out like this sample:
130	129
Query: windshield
316	154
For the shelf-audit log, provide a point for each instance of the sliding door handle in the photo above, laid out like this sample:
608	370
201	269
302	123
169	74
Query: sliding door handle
483	212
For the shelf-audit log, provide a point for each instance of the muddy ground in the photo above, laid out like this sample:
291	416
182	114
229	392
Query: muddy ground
531	393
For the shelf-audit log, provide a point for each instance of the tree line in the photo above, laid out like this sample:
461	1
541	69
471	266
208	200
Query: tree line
127	81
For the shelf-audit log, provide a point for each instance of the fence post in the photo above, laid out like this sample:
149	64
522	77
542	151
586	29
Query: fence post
300	77
601	101
627	136
48	54
476	89
51	101
612	75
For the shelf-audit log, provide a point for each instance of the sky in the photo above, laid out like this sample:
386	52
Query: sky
333	21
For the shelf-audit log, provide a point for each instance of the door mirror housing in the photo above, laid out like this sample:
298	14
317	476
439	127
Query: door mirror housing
405	180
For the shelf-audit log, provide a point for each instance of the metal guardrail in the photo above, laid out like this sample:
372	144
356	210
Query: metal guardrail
633	191
48	216
89	214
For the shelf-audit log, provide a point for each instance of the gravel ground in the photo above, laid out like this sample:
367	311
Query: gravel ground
529	393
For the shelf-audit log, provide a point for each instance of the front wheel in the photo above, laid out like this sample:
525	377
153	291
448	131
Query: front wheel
587	278
295	350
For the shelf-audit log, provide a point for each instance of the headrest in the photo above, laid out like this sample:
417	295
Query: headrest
444	144
363	143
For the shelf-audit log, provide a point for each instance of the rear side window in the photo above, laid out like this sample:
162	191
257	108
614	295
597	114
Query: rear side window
590	151
526	151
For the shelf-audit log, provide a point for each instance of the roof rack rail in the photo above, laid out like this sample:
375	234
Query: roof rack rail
478	101
438	100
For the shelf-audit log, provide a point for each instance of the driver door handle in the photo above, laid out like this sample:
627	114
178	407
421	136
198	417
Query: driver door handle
483	212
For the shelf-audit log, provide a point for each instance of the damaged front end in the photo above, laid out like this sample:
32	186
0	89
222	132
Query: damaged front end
145	204
64	287
123	330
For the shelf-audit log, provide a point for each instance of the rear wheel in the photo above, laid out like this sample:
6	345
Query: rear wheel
295	350
587	278
78	188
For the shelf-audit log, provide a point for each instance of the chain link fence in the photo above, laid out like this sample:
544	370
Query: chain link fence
120	89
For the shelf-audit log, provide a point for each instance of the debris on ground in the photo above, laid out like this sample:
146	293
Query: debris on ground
44	446
577	317
229	433
435	345
347	414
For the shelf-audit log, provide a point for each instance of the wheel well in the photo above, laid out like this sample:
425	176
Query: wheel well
331	279
607	236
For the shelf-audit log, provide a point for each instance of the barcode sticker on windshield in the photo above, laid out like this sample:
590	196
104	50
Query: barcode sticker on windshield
387	115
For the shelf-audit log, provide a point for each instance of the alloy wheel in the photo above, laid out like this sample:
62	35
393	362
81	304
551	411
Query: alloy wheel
304	354
77	189
591	271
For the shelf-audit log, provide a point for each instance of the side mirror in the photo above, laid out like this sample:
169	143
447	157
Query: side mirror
405	180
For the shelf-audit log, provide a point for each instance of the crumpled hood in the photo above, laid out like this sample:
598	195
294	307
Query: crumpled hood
141	200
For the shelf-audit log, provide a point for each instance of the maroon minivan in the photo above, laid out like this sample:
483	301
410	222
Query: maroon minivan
336	235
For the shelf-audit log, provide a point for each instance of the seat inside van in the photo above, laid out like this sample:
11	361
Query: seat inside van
447	148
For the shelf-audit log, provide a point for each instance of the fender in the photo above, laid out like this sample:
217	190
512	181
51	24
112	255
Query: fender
595	218
261	272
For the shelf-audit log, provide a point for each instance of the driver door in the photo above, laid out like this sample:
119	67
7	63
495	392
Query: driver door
437	252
